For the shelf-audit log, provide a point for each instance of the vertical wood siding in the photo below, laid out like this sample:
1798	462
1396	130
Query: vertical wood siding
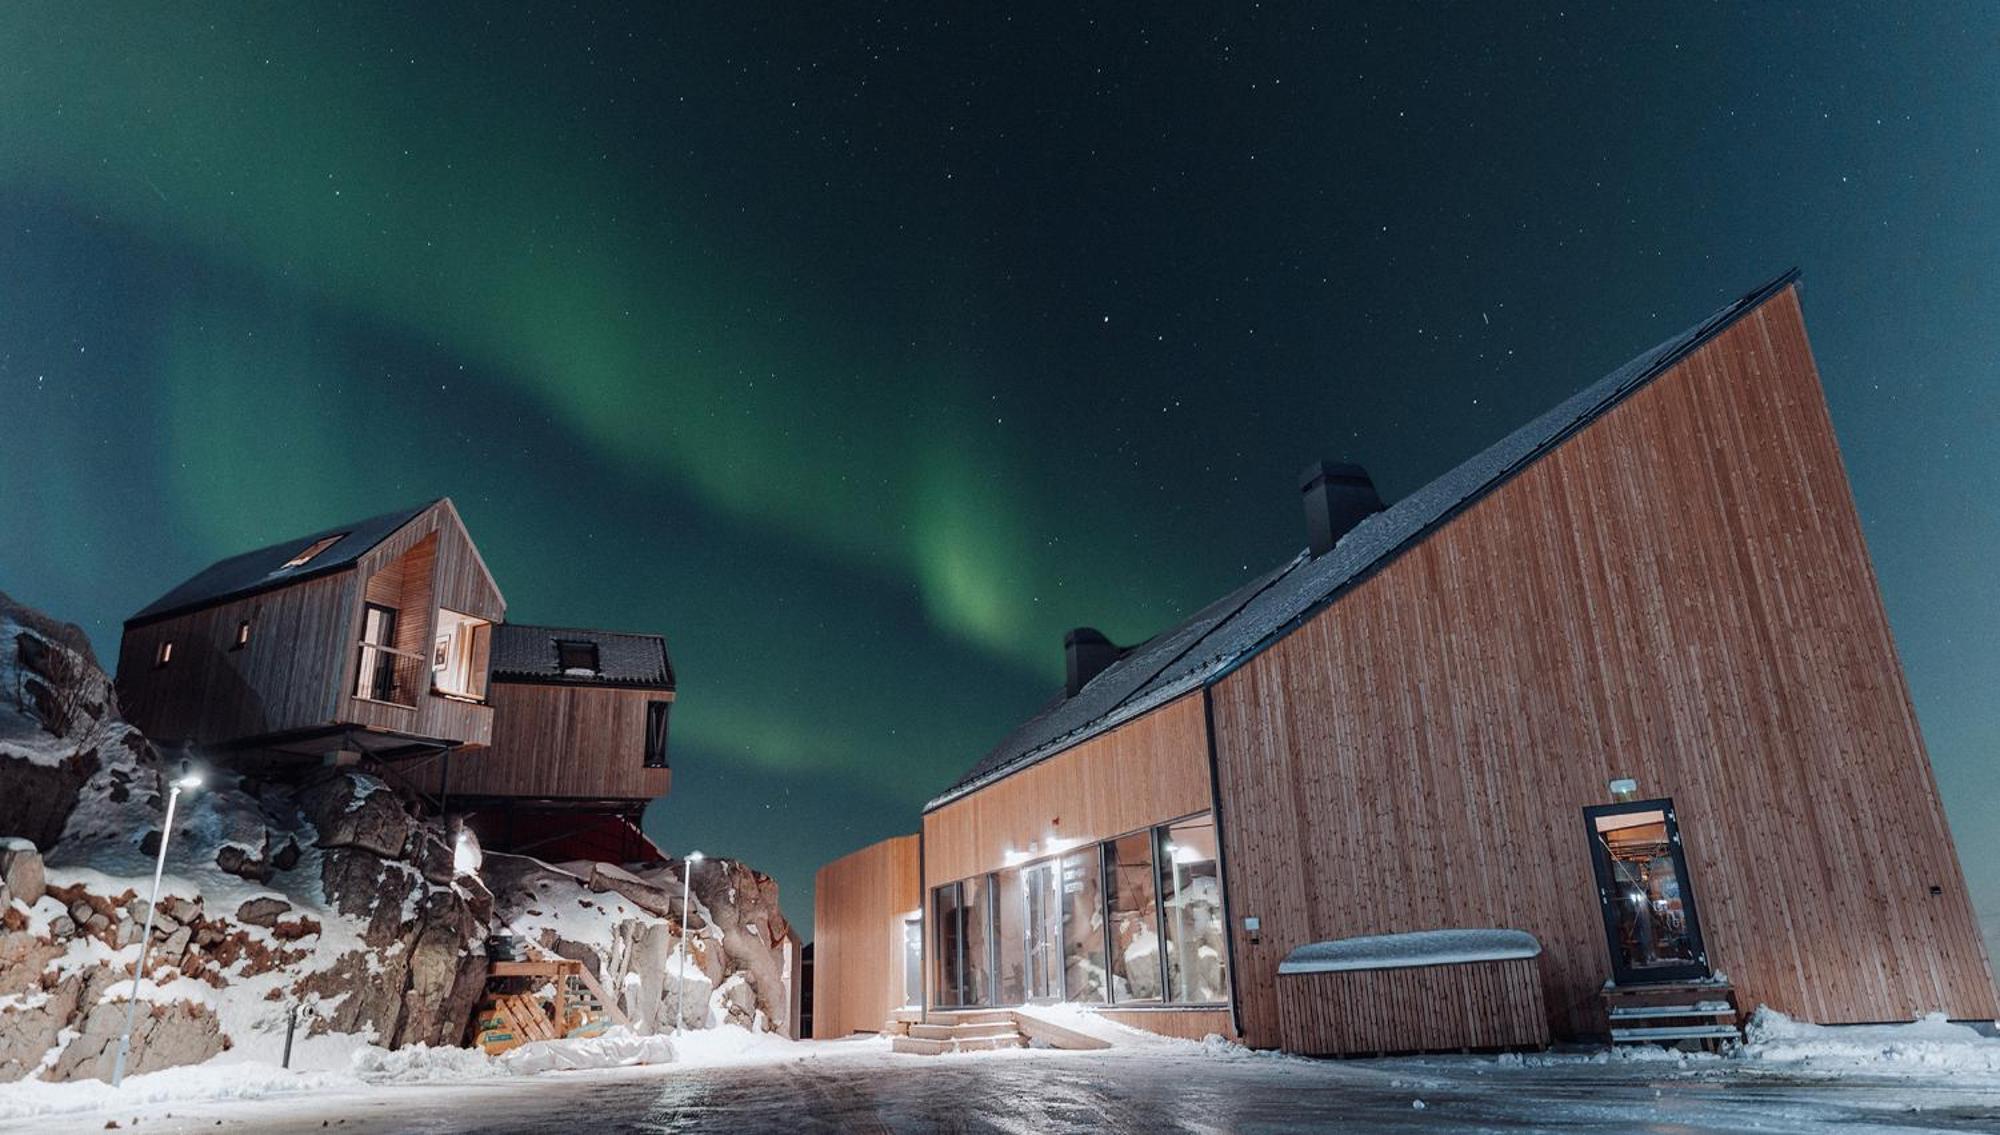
859	904
556	741
1147	771
1680	593
1414	1009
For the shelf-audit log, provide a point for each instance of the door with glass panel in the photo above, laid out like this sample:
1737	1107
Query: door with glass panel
1647	899
1043	923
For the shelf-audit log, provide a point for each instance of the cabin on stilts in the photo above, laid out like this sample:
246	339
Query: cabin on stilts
384	642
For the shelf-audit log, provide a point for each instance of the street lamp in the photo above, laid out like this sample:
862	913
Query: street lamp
680	983
187	780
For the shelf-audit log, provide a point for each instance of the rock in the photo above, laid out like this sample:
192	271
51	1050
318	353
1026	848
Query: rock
242	864
39	797
181	909
434	857
150	844
29	1030
262	911
649	896
163	926
21	870
352	810
287	857
166	1035
81	910
63	926
97	923
176	944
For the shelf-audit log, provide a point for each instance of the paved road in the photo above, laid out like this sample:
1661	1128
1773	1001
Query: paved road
1119	1092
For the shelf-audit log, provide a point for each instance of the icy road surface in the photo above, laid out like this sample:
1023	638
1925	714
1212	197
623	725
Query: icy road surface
859	1087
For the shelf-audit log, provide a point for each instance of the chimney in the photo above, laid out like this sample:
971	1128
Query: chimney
1337	497
1086	652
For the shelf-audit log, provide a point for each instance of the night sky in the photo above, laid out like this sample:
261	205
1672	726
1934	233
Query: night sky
862	351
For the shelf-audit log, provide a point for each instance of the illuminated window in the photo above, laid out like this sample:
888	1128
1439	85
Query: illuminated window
656	733
312	549
164	654
242	635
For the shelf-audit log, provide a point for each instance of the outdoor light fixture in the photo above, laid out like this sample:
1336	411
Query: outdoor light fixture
1625	789
188	779
465	853
680	984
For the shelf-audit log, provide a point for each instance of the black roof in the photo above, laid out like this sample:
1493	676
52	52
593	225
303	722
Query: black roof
263	569
1228	632
523	653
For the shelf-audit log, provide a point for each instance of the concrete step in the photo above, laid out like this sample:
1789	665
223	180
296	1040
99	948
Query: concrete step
919	1046
936	1046
962	1032
990	1043
974	1017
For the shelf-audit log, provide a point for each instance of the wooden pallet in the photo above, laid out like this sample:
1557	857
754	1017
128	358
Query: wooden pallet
508	1019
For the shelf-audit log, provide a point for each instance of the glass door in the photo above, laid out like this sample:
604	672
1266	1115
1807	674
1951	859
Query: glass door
1044	928
1650	921
913	961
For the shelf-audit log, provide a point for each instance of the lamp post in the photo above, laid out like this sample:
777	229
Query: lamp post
187	780
680	983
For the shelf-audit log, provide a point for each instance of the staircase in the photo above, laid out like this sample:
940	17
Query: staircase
1700	1013
961	1032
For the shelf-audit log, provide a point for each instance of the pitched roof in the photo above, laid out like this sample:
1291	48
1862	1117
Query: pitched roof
263	569
1228	632
524	653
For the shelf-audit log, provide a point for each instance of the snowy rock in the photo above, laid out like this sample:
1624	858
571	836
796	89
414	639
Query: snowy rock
21	871
181	909
353	810
262	911
165	1035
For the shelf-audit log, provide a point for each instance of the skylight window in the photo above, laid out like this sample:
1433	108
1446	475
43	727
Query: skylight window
574	656
311	550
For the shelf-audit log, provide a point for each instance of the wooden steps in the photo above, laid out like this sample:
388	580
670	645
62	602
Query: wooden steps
1672	1013
964	1032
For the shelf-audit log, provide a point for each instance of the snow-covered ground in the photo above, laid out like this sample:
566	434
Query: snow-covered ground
1790	1078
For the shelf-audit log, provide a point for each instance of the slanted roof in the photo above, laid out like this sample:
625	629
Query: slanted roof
263	569
524	653
1229	632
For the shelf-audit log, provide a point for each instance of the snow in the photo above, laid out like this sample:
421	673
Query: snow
16	843
1932	1044
614	1048
1423	948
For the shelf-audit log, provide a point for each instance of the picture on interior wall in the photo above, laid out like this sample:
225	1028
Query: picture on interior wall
441	652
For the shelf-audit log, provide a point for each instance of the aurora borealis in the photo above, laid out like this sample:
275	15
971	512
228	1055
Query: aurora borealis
863	351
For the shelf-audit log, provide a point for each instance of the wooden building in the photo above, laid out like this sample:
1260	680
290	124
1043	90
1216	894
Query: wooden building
1623	681
867	929
385	641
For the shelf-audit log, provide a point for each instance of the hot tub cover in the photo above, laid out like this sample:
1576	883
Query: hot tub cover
1422	948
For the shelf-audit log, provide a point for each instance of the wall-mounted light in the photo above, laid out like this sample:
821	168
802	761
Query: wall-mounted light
1625	789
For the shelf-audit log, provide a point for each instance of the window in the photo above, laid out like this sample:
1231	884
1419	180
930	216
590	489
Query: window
1191	920
313	549
375	675
1083	926
574	656
1134	913
913	961
965	941
459	654
949	917
164	653
242	635
1010	939
656	733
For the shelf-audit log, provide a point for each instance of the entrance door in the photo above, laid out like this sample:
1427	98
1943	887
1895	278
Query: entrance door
1044	926
1650	921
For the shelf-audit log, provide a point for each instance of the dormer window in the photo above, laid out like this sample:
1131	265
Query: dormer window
313	549
574	656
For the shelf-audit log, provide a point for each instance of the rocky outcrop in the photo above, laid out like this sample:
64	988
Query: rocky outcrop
327	893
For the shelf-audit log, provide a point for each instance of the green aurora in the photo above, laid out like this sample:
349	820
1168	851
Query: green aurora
865	352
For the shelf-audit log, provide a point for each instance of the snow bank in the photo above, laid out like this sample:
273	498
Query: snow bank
1423	948
614	1048
1931	1044
40	1099
734	1044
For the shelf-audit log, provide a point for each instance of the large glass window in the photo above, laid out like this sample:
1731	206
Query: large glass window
1197	954
1082	900
977	896
1043	909
913	961
950	922
1010	940
1135	939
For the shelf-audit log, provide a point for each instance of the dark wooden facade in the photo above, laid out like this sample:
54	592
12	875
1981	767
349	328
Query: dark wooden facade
556	743
1678	593
1675	590
861	902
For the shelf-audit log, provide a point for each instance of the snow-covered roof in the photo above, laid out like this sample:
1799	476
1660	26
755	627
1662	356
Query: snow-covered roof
1420	948
1235	628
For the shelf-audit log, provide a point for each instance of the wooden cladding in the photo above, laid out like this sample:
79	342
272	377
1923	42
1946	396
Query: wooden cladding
284	676
860	902
1144	772
1187	1024
1679	593
1438	1008
553	741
